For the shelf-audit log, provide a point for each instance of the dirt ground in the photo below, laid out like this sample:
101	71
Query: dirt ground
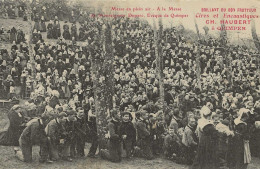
8	160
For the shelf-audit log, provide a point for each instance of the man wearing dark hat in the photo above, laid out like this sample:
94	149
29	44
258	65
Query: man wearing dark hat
80	127
34	134
114	145
128	133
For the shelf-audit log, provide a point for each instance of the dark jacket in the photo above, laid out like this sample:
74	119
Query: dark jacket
142	129
55	131
11	136
127	128
80	127
34	133
113	128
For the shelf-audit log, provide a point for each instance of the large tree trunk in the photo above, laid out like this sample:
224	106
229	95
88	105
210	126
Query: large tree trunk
198	66
102	73
159	61
31	54
226	54
109	67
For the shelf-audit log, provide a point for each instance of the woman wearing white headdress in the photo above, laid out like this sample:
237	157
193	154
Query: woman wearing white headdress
202	121
206	153
240	147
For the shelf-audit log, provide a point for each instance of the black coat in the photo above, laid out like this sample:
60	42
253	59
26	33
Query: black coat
34	134
11	136
236	149
127	128
81	128
206	153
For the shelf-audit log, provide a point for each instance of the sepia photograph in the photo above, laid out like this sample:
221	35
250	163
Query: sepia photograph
122	84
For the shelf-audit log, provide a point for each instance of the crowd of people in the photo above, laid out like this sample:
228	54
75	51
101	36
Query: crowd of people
211	96
13	9
11	66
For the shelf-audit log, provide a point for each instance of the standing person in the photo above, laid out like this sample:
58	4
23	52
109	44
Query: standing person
50	30
92	127
143	134
114	145
69	139
82	34
40	37
66	31
34	134
256	134
74	31
201	121
13	33
10	12
23	84
42	25
37	25
224	136
44	13
72	18
80	133
206	153
60	66
16	11
128	133
189	140
7	84
20	36
56	30
240	150
35	37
